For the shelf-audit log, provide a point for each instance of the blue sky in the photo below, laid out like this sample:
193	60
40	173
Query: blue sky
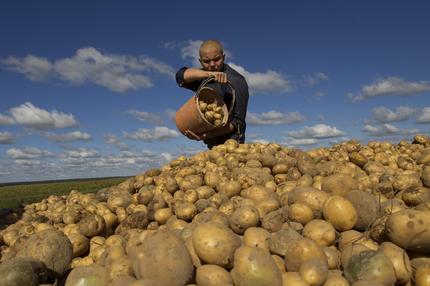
87	87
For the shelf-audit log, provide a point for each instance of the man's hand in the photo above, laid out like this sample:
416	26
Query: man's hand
219	76
193	136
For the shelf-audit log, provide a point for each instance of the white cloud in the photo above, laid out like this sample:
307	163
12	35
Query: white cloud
34	68
111	139
315	78
383	130
267	82
191	51
118	73
82	153
384	115
30	116
301	142
261	141
6	120
6	138
391	86
28	153
274	117
71	136
411	131
167	156
317	131
171	114
159	133
27	162
424	115
146	116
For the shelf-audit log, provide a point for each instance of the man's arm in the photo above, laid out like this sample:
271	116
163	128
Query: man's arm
192	74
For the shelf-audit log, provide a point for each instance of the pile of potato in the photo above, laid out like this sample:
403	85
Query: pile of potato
212	112
239	214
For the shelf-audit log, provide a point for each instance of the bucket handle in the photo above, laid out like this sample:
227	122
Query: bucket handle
211	78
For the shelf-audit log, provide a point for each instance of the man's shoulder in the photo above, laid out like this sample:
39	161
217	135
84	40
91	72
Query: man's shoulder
232	72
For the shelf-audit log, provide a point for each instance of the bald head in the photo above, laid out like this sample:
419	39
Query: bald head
211	46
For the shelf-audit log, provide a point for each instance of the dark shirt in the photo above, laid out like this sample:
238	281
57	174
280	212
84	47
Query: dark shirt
238	114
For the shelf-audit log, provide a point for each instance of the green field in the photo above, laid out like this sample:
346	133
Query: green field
15	194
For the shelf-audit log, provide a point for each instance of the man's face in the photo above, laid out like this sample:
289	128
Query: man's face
211	59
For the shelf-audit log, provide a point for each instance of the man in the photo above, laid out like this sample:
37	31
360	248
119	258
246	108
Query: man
212	60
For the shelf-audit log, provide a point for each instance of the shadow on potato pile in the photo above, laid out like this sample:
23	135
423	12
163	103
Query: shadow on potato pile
248	214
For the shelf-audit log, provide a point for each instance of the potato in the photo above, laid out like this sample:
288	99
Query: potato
10	236
80	244
120	267
91	225
400	260
358	159
123	280
194	257
339	184
230	188
406	180
164	257
51	247
310	196
257	237
416	195
425	176
300	212
137	220
274	220
191	196
282	239
96	241
256	193
314	271
300	251
267	205
87	275
191	182
335	280
98	253
408	229
320	231
23	271
115	240
118	200
367	208
372	266
185	211
162	215
243	218
333	257
213	275
340	213
215	243
293	279
349	251
111	253
279	261
422	276
254	266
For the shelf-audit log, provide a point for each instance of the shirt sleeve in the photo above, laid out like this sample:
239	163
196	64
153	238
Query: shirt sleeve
194	85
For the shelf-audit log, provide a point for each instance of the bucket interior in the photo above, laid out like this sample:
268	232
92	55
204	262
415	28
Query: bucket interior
210	96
